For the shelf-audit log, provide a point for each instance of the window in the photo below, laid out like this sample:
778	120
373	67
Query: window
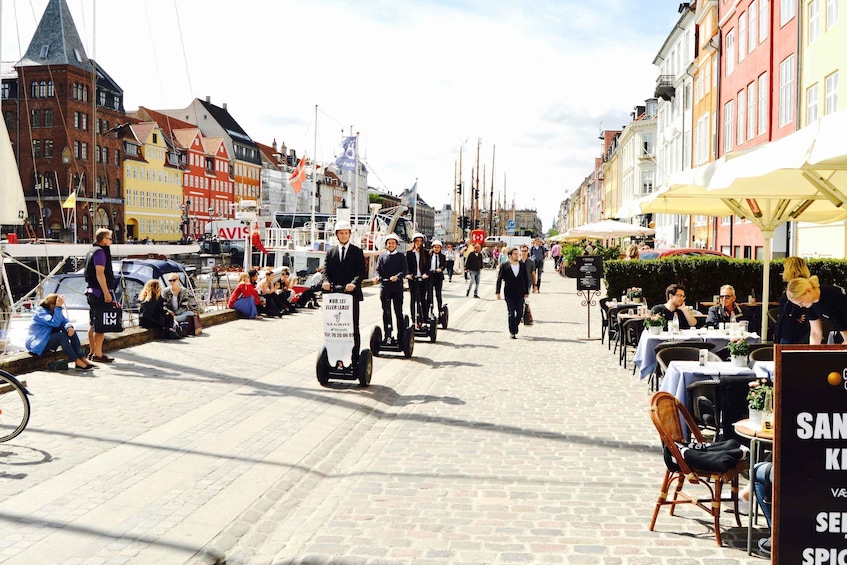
48	148
647	182
786	11
786	90
814	20
742	117
6	89
76	149
751	110
9	118
764	19
753	30
35	118
730	52
102	98
742	37
97	154
83	151
84	121
831	13
42	89
44	50
48	118
34	90
36	148
811	104
763	103
831	94
728	118
50	91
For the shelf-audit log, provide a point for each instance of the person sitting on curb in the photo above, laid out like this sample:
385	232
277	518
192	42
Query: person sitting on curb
245	298
308	298
154	314
51	329
273	301
179	299
286	291
675	308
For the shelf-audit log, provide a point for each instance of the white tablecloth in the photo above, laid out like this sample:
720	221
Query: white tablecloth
764	369
645	355
680	374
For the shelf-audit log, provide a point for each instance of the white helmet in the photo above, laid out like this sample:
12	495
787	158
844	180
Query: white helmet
392	236
418	235
342	226
436	242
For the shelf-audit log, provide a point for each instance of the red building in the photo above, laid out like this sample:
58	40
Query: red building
758	97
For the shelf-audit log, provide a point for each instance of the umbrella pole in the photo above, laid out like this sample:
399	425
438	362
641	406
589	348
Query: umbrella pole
766	282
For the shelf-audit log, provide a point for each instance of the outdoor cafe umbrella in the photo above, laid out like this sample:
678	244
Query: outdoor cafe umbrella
802	176
608	229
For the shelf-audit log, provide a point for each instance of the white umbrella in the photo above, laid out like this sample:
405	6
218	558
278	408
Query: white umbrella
610	228
802	176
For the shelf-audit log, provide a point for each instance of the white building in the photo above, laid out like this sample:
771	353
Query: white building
637	161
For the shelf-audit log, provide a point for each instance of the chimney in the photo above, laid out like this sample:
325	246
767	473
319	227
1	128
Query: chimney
223	106
274	145
208	99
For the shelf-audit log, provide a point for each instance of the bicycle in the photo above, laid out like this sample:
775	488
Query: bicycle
14	406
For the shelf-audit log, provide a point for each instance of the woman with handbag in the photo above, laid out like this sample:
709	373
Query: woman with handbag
51	329
154	313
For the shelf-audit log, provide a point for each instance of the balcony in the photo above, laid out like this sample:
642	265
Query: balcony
664	87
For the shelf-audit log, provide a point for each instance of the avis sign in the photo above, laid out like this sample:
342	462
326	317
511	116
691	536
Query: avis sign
232	230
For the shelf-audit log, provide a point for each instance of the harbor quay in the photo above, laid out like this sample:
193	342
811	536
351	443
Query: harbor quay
480	449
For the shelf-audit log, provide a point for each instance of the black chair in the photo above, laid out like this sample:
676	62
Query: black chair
630	334
703	403
762	354
659	372
614	324
723	353
604	317
717	402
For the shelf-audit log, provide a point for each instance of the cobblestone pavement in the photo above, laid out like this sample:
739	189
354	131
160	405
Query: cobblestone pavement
480	449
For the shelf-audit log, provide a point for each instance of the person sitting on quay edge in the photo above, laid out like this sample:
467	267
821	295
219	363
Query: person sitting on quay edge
273	302
245	298
674	306
286	288
824	301
726	310
153	312
179	299
308	298
51	329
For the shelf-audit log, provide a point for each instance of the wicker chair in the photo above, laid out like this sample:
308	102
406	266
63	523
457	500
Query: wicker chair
762	354
666	412
659	371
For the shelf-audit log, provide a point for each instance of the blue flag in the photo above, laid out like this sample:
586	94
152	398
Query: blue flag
347	160
410	197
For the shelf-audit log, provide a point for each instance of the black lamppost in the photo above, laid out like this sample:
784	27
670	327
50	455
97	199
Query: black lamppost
185	220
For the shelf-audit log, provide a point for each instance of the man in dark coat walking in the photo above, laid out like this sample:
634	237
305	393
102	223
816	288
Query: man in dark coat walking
515	276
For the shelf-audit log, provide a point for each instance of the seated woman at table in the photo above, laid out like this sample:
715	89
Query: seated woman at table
675	308
792	325
726	310
824	301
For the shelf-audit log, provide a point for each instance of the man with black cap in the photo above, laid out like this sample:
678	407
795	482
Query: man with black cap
344	266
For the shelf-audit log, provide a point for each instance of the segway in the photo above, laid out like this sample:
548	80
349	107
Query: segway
428	328
335	359
443	316
404	343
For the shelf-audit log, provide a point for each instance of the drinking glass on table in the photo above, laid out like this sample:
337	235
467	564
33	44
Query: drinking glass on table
743	325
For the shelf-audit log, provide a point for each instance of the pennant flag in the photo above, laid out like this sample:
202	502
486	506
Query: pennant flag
347	161
298	175
256	241
70	202
410	197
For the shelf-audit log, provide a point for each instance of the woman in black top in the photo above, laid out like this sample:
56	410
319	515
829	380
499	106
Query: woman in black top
824	301
154	314
792	325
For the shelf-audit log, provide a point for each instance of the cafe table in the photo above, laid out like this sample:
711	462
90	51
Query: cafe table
645	354
680	374
758	438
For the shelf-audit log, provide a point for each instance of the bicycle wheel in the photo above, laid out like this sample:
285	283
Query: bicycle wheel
14	407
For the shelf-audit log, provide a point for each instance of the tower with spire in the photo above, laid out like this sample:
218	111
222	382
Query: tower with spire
62	110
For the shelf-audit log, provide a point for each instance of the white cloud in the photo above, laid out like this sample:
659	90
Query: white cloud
415	78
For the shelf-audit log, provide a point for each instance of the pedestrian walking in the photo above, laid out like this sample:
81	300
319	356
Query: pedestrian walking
556	254
514	278
100	292
473	265
538	253
344	266
449	261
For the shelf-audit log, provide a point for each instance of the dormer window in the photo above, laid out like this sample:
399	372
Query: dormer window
44	50
77	55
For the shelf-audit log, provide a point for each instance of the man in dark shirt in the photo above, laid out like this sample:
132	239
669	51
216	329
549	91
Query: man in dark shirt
726	310
675	308
391	269
473	265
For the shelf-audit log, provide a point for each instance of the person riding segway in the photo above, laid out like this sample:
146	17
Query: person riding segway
344	271
418	261
391	269
437	264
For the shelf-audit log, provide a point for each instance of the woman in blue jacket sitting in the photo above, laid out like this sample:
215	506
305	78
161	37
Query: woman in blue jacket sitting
51	329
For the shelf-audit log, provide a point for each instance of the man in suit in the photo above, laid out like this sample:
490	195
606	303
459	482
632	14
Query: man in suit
345	266
437	264
417	261
515	277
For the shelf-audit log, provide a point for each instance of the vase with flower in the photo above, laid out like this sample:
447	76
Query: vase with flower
635	294
739	349
758	398
654	323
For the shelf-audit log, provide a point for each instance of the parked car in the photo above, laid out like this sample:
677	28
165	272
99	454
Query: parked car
681	252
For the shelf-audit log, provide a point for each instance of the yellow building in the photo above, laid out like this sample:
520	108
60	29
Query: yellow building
153	185
823	42
610	174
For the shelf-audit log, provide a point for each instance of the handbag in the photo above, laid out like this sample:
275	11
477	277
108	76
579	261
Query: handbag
527	315
197	323
109	319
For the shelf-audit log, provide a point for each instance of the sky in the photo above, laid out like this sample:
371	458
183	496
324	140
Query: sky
533	82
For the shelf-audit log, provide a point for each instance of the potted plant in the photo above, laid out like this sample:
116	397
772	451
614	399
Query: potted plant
757	398
569	255
739	349
635	294
655	323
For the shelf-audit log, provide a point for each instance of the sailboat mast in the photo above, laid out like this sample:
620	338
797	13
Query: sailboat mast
453	201
461	191
314	177
476	186
491	199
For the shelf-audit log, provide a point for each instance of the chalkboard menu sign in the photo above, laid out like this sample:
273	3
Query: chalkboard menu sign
590	268
810	456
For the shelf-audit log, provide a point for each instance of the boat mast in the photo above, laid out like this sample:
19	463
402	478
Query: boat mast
491	198
460	190
314	177
476	186
455	208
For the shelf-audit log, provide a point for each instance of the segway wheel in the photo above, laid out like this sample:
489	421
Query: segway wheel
365	367
406	320
433	329
322	368
376	340
444	318
408	342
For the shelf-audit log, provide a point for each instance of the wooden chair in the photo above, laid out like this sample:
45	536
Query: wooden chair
666	412
762	354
